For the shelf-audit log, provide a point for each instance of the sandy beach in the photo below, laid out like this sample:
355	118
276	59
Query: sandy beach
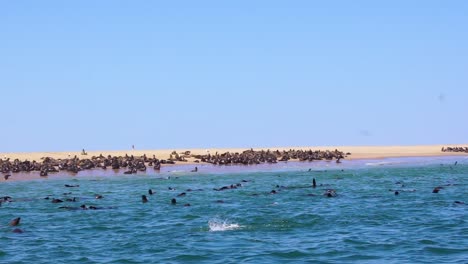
357	152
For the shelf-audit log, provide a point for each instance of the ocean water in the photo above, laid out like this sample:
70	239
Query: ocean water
365	223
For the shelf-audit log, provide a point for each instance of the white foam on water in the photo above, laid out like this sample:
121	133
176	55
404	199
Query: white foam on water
379	163
217	225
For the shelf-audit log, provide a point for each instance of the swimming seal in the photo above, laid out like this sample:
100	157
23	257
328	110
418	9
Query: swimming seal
17	231
15	221
330	193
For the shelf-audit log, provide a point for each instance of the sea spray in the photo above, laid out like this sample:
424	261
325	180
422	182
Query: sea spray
216	225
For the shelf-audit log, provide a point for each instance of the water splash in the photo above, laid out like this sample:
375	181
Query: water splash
216	225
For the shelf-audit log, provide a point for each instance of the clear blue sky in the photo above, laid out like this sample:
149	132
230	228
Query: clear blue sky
188	74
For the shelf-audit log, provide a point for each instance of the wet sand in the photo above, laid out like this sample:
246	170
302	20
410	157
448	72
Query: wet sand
357	153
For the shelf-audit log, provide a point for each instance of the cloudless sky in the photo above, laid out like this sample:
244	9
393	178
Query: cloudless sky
201	74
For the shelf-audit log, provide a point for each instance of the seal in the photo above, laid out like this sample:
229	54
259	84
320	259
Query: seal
157	167
17	231
15	221
330	193
144	199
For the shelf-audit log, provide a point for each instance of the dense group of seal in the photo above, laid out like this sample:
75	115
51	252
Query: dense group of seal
133	164
249	157
130	163
455	149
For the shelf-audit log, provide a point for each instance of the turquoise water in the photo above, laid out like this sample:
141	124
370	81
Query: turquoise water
364	223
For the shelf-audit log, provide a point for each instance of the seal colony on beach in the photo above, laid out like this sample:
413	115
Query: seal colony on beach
455	149
134	164
24	166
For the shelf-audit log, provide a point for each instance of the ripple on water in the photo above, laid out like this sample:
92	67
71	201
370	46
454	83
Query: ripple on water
289	254
445	250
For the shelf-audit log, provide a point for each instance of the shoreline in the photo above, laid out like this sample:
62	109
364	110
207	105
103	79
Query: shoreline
181	169
357	153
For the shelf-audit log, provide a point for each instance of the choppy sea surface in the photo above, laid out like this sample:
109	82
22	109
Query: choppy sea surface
365	223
